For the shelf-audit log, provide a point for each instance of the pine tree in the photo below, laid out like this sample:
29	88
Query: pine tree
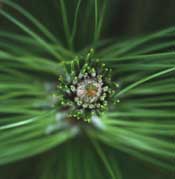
76	104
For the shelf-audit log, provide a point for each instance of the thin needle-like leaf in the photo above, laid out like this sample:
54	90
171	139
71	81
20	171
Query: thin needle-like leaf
66	24
32	34
145	80
75	25
29	16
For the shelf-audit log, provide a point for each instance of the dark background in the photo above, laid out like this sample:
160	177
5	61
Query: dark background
125	17
133	17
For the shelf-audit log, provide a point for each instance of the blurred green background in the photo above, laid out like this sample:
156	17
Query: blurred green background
126	18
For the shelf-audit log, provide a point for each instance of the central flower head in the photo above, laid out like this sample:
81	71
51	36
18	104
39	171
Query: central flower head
89	90
86	87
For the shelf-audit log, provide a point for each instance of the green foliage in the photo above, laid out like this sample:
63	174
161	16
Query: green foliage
31	58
